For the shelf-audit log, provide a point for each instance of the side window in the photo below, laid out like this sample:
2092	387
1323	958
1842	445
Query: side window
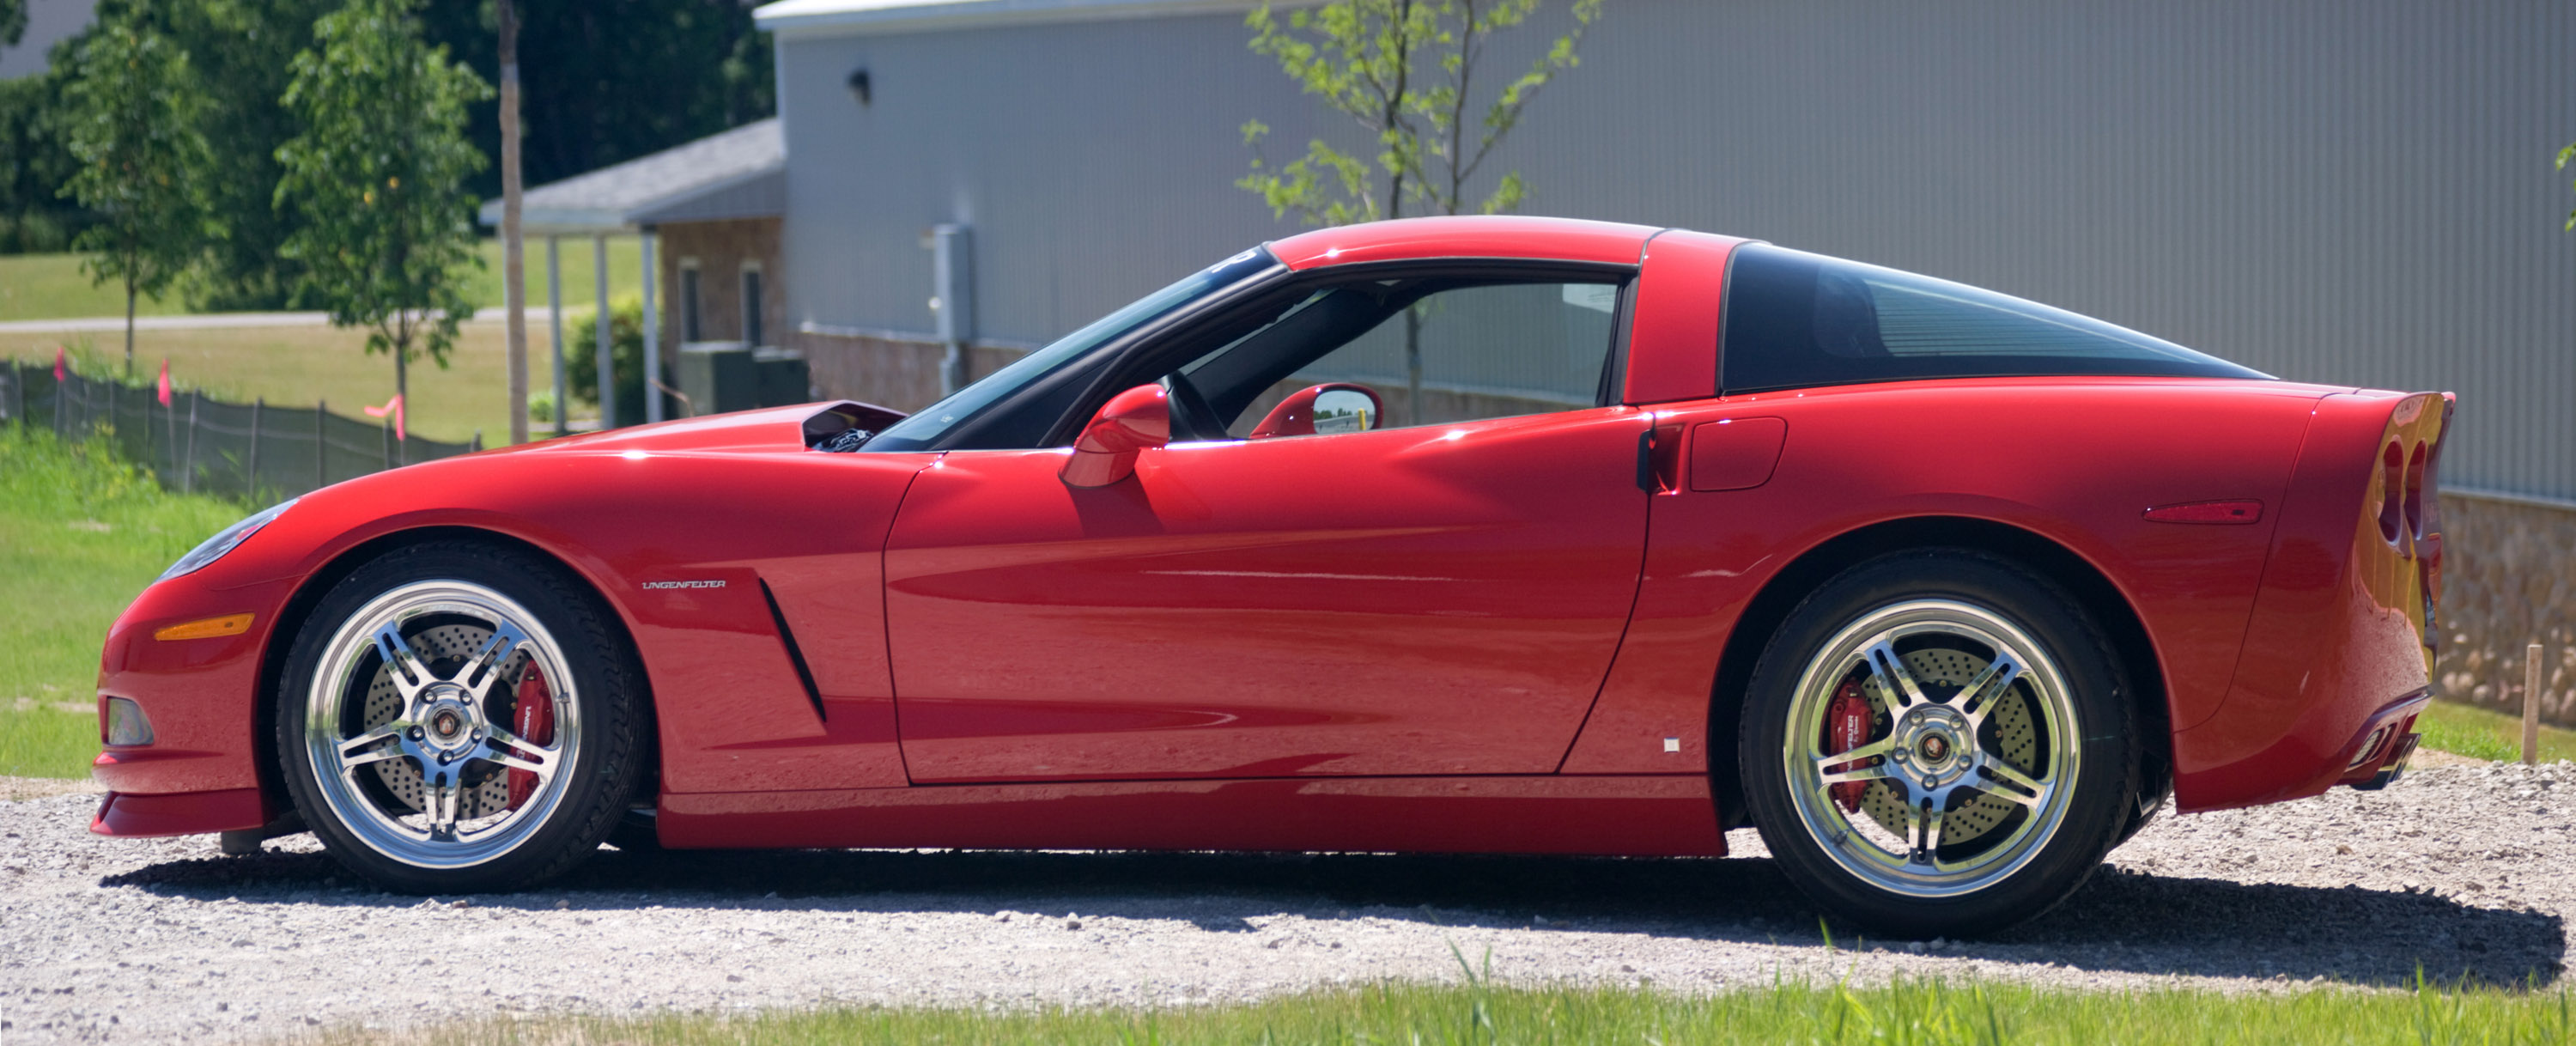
1432	352
1796	320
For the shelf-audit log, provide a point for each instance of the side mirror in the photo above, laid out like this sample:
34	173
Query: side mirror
1334	407
1105	452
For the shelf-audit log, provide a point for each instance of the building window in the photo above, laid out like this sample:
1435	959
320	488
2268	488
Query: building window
751	333
689	328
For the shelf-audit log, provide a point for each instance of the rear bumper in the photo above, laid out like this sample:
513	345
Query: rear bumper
2339	645
189	813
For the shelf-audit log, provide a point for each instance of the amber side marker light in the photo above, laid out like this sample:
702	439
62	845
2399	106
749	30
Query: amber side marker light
2207	512
206	628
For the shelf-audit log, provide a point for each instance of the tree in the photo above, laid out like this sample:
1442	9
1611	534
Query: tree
1405	71
130	114
34	166
244	52
13	21
376	178
611	80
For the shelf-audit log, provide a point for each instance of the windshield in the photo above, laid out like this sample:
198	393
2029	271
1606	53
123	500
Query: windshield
925	427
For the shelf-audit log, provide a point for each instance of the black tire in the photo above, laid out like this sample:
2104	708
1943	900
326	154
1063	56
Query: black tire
2046	839
602	754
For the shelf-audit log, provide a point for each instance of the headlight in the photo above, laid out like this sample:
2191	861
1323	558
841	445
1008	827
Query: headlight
223	542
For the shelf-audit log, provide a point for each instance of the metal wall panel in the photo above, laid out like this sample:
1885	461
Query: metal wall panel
2351	191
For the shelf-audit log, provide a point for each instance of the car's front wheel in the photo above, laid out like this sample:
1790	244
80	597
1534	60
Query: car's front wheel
458	717
1939	743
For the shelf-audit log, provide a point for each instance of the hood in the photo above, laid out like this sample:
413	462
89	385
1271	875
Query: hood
767	430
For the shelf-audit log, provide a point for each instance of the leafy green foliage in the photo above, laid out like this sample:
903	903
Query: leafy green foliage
376	177
2564	155
605	81
130	117
1406	72
34	165
13	21
625	349
244	54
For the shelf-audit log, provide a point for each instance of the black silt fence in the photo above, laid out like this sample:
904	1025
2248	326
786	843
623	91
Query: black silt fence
201	444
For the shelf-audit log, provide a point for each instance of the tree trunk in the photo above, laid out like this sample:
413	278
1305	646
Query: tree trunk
514	289
129	328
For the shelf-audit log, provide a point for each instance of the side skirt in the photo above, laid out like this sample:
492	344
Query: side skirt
1634	815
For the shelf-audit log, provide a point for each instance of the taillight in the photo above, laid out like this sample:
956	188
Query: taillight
2415	492
2392	490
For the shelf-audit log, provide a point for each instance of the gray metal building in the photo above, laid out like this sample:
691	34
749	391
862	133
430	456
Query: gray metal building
2357	191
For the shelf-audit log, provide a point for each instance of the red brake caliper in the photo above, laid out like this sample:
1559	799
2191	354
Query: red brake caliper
1847	723
535	724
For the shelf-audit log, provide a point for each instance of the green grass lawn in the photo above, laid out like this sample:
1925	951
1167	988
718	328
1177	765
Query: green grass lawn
2484	734
1925	1012
52	286
297	365
81	533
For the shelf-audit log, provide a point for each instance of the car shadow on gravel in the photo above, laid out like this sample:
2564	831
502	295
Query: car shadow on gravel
2120	921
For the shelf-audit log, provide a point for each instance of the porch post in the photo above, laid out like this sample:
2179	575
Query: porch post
607	355
554	318
652	333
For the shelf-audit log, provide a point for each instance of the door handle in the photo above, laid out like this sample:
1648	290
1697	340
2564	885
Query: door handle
1659	458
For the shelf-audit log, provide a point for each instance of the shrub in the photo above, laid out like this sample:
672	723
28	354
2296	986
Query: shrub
626	352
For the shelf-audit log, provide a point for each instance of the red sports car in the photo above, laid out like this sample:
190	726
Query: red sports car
1474	534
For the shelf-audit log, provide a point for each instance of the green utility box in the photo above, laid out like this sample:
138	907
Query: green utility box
719	376
784	377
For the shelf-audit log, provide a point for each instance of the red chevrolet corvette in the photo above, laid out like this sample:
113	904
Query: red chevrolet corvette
1467	534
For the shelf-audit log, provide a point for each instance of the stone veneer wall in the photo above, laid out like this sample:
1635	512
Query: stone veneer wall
885	369
719	248
2508	580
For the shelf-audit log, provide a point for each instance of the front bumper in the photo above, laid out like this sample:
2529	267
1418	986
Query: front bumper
200	773
191	813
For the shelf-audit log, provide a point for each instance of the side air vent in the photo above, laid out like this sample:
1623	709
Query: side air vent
795	655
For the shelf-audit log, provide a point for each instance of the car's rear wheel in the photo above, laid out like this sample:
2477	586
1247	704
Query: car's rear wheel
458	717
1939	743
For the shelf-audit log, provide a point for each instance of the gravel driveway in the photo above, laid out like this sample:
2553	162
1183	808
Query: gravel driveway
2462	869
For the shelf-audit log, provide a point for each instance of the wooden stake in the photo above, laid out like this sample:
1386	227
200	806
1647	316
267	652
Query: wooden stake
2531	706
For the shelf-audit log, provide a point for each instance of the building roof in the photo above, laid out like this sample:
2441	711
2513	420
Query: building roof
869	17
741	173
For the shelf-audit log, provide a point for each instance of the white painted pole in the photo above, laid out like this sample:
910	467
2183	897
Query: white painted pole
554	309
652	334
601	323
2531	706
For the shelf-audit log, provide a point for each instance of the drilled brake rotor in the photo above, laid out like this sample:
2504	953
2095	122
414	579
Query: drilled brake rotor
442	647
2008	733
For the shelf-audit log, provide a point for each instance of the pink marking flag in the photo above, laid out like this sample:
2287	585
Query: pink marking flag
165	381
59	371
394	407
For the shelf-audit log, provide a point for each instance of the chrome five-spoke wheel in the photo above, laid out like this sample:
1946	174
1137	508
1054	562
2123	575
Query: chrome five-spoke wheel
1939	742
1929	741
443	724
458	716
